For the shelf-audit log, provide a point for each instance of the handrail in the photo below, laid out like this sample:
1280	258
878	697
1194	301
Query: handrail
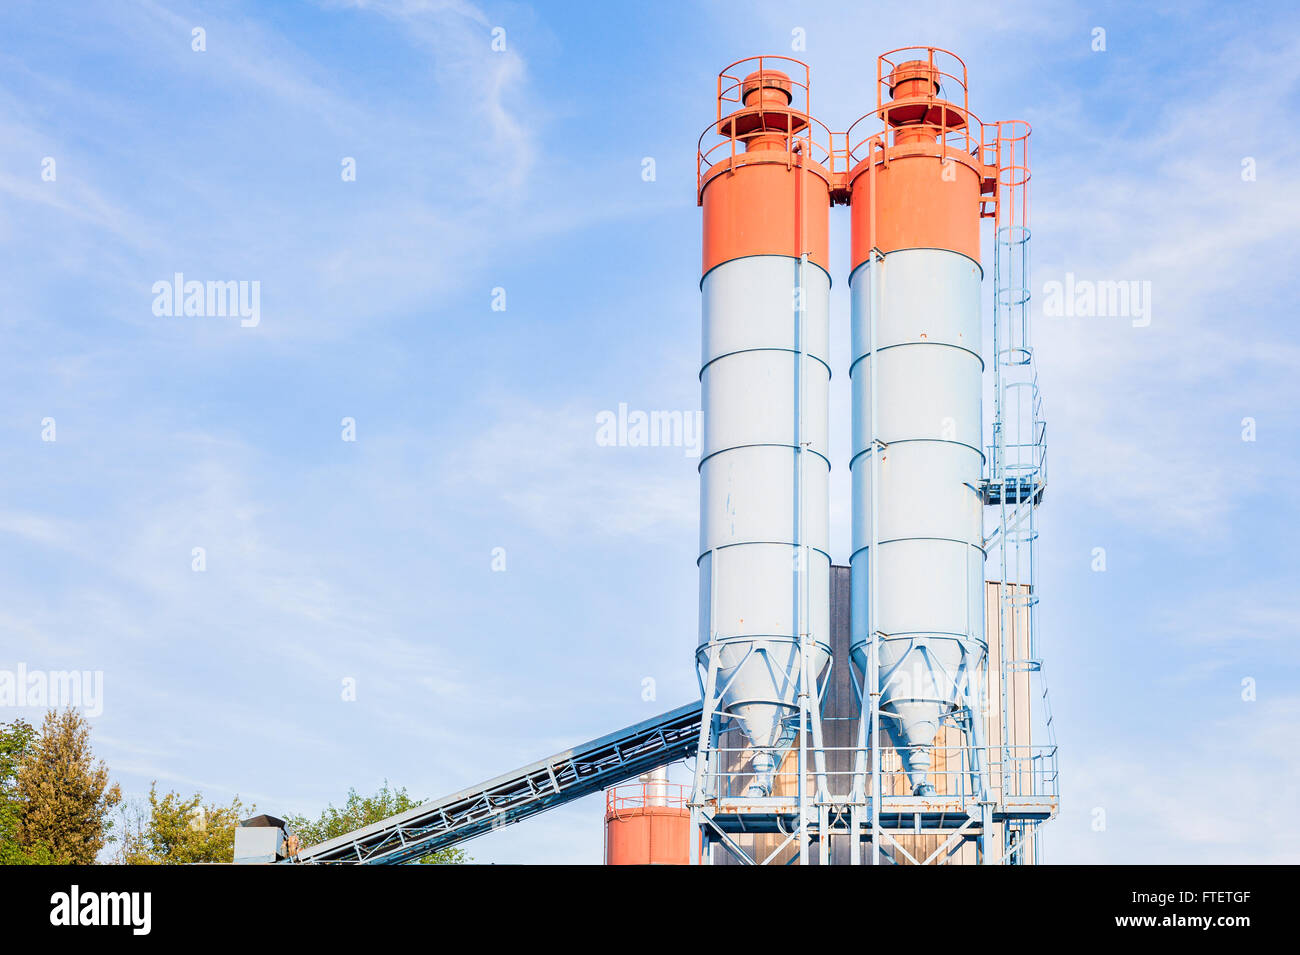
652	794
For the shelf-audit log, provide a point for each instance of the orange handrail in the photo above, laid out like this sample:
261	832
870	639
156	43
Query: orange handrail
640	795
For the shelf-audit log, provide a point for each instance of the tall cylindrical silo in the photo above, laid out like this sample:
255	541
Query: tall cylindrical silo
916	397
764	560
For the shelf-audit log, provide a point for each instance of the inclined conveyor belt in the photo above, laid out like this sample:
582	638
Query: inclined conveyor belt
529	790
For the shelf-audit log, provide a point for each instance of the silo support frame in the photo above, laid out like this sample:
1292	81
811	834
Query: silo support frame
865	824
946	849
811	812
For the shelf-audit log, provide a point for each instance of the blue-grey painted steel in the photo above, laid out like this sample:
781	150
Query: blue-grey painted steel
764	495
527	791
929	577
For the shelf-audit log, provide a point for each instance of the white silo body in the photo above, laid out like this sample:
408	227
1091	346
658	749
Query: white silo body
925	304
765	385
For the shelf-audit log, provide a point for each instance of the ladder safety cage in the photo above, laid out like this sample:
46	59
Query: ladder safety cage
1015	484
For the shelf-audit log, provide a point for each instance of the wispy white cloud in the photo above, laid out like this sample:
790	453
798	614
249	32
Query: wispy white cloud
1169	207
491	82
1247	612
1210	799
544	464
438	172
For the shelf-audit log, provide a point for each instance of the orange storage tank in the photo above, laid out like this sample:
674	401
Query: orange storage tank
647	823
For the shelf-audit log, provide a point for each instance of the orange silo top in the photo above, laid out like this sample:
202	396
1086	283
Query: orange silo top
919	182
761	185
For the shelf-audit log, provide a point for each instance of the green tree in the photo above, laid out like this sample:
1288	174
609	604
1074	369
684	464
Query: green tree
66	797
16	740
131	830
176	829
361	811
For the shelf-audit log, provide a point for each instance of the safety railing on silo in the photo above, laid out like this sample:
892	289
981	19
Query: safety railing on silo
725	142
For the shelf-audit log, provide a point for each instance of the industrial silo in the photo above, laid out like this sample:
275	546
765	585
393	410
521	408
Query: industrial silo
917	459
914	740
765	370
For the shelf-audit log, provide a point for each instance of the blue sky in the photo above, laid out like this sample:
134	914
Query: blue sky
371	560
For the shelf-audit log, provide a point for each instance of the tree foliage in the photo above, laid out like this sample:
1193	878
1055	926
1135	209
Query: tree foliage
361	811
16	740
175	830
56	804
64	796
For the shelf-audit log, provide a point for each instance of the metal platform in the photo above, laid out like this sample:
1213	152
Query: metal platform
918	814
1011	490
515	796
